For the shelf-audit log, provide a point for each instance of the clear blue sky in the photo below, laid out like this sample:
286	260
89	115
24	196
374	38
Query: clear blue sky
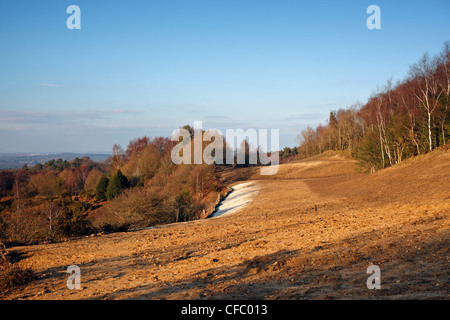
147	67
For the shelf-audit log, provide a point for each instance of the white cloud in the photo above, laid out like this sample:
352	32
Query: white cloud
45	84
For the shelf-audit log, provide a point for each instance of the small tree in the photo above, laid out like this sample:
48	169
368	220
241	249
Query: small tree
102	187
6	182
116	185
45	184
92	180
52	212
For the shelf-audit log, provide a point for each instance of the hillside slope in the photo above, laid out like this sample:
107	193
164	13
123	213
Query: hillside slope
311	233
424	177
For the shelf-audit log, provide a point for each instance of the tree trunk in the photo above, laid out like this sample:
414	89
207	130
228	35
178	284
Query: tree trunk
429	131
443	131
382	148
413	136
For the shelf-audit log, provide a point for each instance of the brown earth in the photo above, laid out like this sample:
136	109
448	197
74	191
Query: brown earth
311	233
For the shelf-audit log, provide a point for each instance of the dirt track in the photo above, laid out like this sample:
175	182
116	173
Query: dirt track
310	233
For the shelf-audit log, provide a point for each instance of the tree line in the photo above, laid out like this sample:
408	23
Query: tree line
398	121
134	188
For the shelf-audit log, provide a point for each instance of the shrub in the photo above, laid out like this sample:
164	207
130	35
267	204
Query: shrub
74	220
92	181
116	185
102	187
137	208
6	182
45	184
12	275
23	226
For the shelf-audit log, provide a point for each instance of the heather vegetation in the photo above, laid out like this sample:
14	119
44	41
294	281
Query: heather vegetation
135	188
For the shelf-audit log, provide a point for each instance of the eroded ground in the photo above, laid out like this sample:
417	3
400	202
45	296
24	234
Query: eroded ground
310	233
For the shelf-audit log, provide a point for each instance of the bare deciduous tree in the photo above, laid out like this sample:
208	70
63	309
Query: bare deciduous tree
427	89
52	212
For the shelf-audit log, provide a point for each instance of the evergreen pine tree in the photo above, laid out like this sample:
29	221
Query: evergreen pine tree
116	185
102	187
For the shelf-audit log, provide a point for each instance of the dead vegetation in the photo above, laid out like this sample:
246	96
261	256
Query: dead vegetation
12	275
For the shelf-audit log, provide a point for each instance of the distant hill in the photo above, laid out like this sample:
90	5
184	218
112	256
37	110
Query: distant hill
17	160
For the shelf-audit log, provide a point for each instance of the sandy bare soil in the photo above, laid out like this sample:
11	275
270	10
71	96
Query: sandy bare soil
310	233
241	195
